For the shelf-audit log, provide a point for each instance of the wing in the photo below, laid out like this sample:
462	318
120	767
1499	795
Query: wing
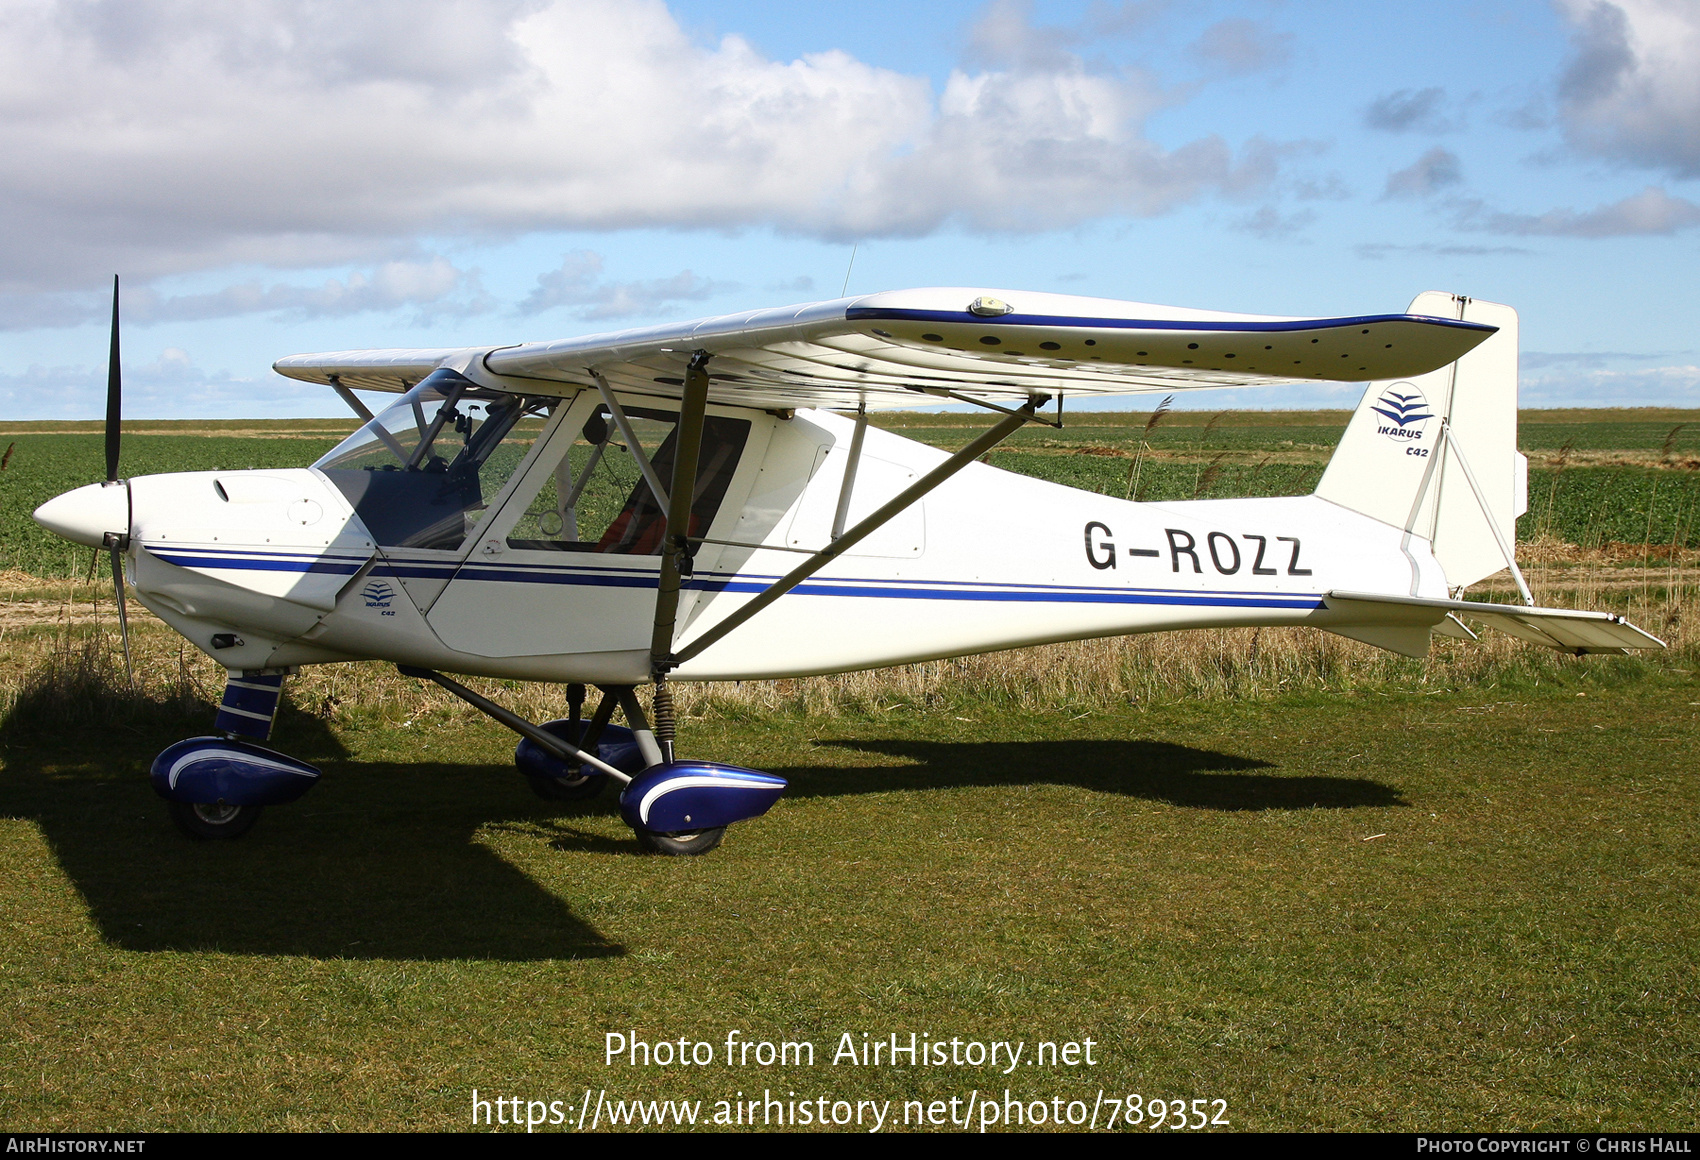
376	370
887	349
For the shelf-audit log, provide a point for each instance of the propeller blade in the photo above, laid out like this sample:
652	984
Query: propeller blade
114	394
123	617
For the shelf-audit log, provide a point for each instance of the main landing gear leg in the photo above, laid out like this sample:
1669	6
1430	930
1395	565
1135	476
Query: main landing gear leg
550	753
653	754
556	781
679	807
674	807
657	745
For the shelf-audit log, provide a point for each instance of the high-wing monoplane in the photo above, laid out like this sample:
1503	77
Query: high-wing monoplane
708	502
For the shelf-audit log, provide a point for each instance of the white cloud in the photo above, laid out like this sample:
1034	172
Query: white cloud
1430	173
1583	386
801	284
578	282
1376	251
169	386
1410	110
1589	359
1632	89
1269	222
1239	47
1650	212
159	136
433	288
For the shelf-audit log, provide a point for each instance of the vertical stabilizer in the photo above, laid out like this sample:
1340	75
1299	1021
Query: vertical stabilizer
1436	455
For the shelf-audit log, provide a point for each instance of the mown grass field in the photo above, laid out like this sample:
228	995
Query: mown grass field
1334	888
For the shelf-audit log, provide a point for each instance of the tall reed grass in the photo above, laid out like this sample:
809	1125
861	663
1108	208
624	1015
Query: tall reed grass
64	671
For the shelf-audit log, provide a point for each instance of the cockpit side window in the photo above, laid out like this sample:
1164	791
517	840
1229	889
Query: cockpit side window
597	500
421	474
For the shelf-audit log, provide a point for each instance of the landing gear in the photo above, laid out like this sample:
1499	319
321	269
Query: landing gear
673	807
557	779
566	789
219	820
215	787
686	842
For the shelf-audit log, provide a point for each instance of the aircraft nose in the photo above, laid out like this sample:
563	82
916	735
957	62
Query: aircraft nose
86	514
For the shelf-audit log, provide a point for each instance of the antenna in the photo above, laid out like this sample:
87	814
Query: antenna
847	270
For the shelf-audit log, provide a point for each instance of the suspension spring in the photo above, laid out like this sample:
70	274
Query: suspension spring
665	723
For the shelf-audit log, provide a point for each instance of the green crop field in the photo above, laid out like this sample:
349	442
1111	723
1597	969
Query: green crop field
42	465
1648	493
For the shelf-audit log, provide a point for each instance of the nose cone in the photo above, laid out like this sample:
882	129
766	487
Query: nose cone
86	515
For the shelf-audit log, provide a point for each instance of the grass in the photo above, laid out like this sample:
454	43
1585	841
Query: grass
1337	889
1464	910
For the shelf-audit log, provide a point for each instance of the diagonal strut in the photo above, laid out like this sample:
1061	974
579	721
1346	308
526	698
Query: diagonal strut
862	530
676	549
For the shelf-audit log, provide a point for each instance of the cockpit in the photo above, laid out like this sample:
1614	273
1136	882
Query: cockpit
422	473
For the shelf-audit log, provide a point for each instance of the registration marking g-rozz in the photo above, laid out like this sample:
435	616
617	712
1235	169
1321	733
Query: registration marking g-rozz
1221	548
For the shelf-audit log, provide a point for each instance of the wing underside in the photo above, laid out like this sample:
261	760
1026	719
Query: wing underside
895	349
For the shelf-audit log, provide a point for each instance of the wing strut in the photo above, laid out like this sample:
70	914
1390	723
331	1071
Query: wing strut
878	519
349	397
843	512
675	547
632	443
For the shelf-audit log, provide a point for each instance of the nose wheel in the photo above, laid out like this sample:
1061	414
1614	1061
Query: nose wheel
205	822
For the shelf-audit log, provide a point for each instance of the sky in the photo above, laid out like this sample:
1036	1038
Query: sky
273	177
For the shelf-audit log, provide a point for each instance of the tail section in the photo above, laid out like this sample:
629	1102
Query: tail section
1436	455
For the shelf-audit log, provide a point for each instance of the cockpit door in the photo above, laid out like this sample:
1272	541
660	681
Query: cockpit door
571	563
430	472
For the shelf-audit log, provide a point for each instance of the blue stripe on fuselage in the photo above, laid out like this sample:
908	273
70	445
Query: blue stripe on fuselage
642	578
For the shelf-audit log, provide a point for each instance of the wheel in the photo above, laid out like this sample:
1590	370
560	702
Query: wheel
682	843
566	789
202	822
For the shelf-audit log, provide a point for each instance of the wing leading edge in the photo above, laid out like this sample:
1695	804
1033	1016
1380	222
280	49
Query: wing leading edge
895	348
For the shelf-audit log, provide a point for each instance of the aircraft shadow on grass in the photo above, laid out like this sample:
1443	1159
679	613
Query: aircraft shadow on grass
381	861
378	862
1179	775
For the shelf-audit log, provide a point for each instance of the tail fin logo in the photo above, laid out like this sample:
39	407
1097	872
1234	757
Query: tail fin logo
1405	413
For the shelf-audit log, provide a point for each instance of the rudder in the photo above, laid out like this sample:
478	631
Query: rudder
1436	455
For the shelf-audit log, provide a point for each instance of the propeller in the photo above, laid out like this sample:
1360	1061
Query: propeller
114	394
116	543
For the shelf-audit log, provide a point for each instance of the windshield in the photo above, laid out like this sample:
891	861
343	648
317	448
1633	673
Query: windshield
422	473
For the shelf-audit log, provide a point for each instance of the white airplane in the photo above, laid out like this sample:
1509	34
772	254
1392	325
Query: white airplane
684	503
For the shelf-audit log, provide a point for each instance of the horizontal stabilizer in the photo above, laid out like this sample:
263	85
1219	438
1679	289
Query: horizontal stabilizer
1565	629
1408	640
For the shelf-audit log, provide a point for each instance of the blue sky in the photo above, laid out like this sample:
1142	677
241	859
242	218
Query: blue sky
288	176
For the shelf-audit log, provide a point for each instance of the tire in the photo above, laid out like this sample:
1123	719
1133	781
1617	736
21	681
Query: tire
554	789
208	822
682	844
